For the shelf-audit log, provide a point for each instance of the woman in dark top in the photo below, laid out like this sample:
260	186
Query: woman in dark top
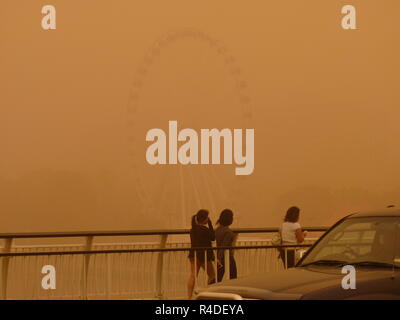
201	236
225	238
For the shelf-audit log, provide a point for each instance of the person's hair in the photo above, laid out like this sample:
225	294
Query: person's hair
292	214
225	218
200	216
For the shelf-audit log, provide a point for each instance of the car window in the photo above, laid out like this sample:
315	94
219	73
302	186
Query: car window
360	239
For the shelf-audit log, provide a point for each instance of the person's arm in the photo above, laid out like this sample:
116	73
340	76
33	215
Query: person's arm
220	255
211	230
227	241
299	235
191	238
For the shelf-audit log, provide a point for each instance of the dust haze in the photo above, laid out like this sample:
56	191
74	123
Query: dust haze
76	103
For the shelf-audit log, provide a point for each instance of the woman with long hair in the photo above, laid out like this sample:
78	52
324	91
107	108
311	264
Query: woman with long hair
225	238
291	234
201	236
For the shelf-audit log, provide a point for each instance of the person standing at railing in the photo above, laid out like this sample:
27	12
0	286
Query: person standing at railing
225	238
291	234
201	235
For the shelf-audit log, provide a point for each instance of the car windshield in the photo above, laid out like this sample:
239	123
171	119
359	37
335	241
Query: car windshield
368	241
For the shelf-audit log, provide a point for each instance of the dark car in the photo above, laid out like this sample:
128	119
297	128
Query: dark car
368	242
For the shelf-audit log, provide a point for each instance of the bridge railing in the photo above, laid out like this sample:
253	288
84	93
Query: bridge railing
120	264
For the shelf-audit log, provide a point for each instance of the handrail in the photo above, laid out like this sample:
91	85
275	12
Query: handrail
137	233
74	252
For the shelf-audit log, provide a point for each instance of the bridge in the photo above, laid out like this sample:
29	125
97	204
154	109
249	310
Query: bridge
147	264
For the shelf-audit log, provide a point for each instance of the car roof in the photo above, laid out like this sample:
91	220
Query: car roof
387	212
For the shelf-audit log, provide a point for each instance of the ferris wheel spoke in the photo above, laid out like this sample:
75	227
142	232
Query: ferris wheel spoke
208	189
219	185
182	195
196	191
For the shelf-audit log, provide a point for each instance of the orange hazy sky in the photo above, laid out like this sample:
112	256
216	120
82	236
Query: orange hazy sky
76	103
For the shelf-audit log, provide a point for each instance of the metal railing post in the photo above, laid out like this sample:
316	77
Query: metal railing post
85	269
109	276
160	265
286	262
4	268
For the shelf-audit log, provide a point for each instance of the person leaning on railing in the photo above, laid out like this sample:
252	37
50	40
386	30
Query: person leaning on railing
201	236
291	234
225	238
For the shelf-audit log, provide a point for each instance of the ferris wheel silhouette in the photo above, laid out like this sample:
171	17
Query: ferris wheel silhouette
194	185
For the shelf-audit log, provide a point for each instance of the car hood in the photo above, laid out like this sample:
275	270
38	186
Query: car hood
293	283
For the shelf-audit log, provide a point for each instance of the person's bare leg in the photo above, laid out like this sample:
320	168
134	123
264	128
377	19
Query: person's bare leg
190	286
191	280
210	272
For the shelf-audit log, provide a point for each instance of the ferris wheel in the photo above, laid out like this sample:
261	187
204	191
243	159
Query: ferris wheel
172	193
